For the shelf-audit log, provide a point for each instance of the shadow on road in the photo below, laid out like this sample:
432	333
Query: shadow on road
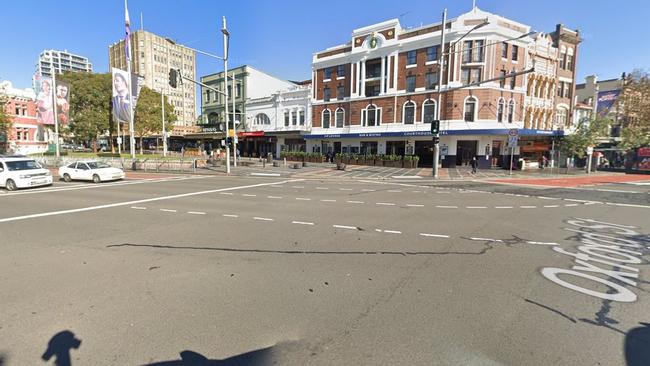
59	347
259	357
637	346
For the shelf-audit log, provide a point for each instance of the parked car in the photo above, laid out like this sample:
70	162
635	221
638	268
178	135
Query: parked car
22	172
96	171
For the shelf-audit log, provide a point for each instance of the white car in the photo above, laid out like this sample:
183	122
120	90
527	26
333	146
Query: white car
95	171
21	172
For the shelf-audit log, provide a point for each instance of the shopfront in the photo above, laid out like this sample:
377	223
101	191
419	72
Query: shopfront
256	144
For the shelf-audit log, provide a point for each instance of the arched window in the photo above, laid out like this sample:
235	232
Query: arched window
262	119
409	113
511	110
429	111
371	116
471	107
501	109
326	118
213	118
340	117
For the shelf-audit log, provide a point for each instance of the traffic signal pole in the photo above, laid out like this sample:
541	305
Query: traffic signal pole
436	139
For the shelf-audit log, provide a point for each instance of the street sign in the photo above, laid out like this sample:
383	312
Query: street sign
590	150
119	141
231	133
513	141
513	132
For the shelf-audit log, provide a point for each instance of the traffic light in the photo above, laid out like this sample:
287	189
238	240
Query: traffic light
173	78
435	127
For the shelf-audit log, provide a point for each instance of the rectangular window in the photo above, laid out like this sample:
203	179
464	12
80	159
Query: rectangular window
432	53
326	94
238	90
410	83
340	92
411	57
327	73
467	51
302	118
569	62
340	71
431	79
502	81
515	52
504	50
567	90
471	75
286	119
513	81
294	118
563	61
478	51
560	87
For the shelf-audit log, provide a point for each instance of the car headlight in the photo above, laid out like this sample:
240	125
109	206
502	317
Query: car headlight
23	176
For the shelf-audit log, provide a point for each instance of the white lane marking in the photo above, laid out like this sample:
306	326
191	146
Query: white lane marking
302	199
615	191
367	190
229	215
392	231
394	191
226	193
527	206
138	208
551	206
548	198
434	235
262	218
573	200
487	239
417	191
345	227
385	204
277	186
135	202
541	243
446	206
476	207
626	205
503	207
302	223
406	177
571	205
413	205
593	203
378	230
266	174
298	187
357	202
167	210
345	189
249	195
328	200
274	197
444	192
322	188
196	213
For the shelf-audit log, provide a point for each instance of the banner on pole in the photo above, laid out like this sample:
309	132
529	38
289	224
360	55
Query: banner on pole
62	102
44	100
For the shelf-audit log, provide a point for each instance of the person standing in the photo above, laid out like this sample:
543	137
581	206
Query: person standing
474	164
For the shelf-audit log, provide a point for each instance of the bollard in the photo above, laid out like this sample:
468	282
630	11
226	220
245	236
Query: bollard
285	161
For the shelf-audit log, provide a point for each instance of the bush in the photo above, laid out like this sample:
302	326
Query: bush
52	153
108	155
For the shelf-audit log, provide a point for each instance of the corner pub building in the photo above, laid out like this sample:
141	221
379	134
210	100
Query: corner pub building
377	94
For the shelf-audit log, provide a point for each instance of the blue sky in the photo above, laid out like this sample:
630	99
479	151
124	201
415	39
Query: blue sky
279	37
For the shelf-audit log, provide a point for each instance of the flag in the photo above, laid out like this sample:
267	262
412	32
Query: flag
127	38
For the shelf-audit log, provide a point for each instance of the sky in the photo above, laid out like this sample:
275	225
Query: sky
279	37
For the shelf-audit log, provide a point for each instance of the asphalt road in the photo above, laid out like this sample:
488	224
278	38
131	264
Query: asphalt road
263	270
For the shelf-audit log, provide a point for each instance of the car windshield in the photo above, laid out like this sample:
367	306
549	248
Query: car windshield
22	165
98	165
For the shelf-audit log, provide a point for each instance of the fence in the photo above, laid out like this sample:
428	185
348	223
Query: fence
147	165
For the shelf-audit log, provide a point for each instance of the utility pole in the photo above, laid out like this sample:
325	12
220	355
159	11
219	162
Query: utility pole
436	137
226	37
54	109
164	130
234	122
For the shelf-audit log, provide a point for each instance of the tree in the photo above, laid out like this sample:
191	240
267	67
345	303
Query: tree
90	105
5	125
635	103
148	114
587	134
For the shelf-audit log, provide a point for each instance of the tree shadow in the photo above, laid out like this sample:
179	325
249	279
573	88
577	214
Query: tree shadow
60	346
637	346
258	357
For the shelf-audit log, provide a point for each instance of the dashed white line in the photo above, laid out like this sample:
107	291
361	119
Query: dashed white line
487	239
302	223
345	189
548	198
573	200
356	202
503	207
227	193
551	206
434	235
302	199
322	188
274	197
266	174
413	205
229	215
345	227
262	218
527	206
196	213
298	187
541	243
626	205
571	205
446	206
138	208
394	191
367	190
392	231
167	210
385	204
476	207
328	200
249	195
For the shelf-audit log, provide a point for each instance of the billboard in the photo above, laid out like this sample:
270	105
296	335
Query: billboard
606	101
124	94
44	100
62	102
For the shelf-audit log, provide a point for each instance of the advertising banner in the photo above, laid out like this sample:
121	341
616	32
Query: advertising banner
44	100
606	101
62	102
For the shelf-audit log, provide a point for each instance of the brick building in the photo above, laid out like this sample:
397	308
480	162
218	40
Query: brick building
378	93
26	135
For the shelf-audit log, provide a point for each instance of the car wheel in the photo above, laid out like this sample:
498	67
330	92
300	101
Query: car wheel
66	177
11	185
96	179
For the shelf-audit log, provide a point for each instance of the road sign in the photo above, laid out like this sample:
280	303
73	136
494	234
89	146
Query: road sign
119	141
513	141
513	132
590	150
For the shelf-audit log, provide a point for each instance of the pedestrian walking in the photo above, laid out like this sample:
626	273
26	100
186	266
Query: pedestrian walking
474	164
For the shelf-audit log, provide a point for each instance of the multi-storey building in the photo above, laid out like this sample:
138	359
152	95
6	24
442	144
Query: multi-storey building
26	135
278	122
378	93
61	61
152	57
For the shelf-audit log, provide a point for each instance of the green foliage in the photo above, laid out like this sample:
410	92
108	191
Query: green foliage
635	100
148	114
586	134
5	125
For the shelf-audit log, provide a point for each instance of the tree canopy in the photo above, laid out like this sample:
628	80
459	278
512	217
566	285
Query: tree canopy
148	114
5	125
587	134
635	103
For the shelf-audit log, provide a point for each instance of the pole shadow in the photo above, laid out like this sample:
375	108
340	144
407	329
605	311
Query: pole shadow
60	346
637	346
259	357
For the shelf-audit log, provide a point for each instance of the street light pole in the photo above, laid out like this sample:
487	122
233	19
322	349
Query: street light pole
226	35
234	122
164	130
436	145
54	109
